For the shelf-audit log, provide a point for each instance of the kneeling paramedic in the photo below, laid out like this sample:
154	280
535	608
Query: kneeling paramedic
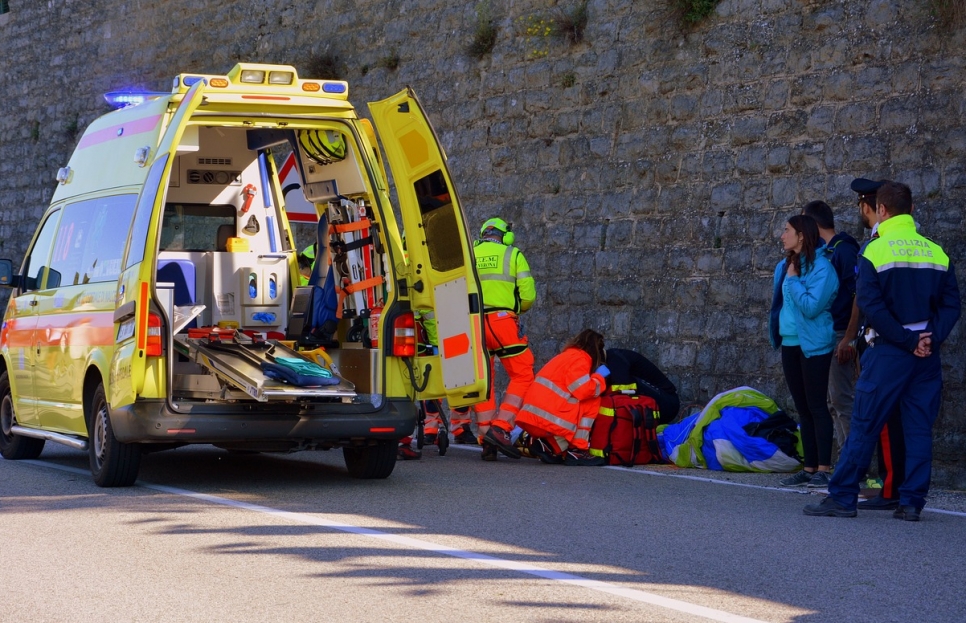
508	290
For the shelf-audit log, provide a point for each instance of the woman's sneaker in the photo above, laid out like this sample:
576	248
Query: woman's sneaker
819	480
798	480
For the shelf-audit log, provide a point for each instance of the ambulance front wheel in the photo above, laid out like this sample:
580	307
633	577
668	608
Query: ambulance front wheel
113	464
14	447
371	462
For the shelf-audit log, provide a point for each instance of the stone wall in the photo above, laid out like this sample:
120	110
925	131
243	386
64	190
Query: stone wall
648	170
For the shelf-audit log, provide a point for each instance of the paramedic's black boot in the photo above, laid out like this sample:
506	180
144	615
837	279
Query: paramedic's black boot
583	458
465	437
406	452
501	439
543	451
489	452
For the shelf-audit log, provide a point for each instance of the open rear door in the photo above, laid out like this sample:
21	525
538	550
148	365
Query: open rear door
136	283
443	277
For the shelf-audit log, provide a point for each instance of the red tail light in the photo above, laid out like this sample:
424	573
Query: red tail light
153	348
404	335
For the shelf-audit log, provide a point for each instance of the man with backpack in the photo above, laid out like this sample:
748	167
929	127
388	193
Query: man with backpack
842	250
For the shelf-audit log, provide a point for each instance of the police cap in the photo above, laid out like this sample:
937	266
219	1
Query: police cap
866	187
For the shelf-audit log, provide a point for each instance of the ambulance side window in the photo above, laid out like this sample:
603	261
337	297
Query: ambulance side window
443	238
142	219
90	240
36	260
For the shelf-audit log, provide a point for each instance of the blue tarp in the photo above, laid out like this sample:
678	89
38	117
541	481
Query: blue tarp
715	438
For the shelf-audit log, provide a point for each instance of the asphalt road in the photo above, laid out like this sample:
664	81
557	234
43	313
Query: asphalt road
212	536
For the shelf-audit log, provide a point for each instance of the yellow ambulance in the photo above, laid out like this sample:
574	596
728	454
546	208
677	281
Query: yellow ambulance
159	304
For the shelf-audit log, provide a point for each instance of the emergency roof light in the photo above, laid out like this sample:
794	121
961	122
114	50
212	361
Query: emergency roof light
280	77
252	76
123	99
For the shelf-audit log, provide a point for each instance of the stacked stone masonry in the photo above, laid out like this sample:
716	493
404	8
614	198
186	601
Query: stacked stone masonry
648	170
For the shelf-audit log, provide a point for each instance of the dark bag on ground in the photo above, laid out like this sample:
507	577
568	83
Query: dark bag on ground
625	430
779	429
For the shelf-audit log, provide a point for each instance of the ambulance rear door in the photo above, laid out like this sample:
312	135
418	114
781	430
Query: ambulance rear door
134	325
443	277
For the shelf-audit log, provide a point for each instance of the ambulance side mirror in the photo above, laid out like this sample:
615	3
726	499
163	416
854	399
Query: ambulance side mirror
7	278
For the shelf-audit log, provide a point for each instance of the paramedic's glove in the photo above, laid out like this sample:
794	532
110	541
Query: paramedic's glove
603	370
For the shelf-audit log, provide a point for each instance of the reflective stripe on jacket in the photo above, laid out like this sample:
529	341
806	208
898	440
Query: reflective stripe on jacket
565	397
505	277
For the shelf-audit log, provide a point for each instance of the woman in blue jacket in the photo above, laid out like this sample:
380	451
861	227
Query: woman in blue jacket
801	325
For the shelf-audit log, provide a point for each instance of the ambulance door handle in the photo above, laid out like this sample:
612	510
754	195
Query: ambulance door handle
272	256
33	302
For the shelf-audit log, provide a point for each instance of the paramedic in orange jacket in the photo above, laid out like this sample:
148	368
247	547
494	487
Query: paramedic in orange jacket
508	291
560	406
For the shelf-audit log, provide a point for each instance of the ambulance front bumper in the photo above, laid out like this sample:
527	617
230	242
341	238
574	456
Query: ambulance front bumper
152	421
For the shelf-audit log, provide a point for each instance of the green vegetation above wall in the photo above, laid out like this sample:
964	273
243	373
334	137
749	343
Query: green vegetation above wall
484	37
693	11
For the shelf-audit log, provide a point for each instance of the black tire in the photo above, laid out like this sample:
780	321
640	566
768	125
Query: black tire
371	462
14	447
113	464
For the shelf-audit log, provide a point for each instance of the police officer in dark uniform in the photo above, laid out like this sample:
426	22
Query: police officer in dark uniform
891	451
908	292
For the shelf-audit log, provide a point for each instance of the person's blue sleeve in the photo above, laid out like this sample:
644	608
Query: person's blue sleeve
813	298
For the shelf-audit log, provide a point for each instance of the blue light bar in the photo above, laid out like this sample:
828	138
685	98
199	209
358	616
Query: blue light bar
191	80
333	87
123	99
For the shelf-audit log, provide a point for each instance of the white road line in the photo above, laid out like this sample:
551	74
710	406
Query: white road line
717	481
492	561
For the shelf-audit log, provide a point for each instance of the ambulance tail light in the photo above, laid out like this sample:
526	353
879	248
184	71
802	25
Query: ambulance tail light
404	335
153	348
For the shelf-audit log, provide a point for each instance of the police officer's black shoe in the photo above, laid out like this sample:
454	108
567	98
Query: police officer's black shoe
829	508
879	503
909	513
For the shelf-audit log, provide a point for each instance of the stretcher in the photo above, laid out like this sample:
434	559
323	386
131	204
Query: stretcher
238	362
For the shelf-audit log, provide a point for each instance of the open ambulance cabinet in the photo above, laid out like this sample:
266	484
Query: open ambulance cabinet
225	257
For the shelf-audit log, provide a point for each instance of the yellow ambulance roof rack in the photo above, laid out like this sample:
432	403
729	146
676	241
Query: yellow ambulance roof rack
265	79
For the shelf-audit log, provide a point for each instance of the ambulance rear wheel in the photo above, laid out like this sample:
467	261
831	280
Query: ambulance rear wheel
14	447
371	462
113	464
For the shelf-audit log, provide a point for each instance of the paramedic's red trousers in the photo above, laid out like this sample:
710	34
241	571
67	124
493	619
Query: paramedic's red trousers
502	331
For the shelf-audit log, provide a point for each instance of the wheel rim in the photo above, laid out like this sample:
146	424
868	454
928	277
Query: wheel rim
100	435
7	417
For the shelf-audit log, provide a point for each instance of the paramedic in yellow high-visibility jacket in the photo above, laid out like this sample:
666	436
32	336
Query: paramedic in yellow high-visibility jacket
508	291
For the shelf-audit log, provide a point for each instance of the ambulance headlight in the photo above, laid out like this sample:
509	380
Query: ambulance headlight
280	77
253	76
